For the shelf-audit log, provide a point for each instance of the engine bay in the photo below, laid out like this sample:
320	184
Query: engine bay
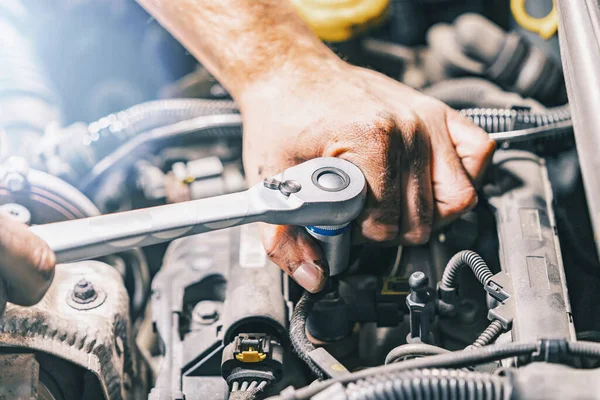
500	304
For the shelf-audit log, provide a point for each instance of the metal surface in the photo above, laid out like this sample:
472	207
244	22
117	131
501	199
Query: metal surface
228	269
97	340
530	256
254	300
579	27
19	376
336	247
97	236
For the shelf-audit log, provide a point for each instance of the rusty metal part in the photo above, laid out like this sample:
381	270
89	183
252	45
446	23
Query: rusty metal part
97	339
19	376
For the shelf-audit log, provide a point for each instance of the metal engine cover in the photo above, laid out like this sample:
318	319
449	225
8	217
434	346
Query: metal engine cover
94	334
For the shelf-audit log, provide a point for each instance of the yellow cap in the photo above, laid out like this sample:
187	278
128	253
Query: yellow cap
546	26
340	20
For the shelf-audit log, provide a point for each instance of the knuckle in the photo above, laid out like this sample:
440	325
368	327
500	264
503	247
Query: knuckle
385	233
380	230
465	200
488	146
418	235
44	260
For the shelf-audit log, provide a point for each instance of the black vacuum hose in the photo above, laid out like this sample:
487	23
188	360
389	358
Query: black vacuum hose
461	93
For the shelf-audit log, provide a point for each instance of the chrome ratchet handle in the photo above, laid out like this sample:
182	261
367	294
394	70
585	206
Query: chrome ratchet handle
322	191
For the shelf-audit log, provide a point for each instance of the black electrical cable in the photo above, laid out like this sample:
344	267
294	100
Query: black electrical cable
431	384
489	335
465	358
465	258
460	359
302	346
584	349
413	350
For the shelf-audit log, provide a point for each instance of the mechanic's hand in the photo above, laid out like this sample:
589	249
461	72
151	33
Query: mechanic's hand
420	158
26	264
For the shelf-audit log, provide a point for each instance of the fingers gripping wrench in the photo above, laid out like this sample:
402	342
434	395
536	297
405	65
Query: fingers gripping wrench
323	194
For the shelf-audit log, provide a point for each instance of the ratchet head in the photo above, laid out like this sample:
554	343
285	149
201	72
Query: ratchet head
322	191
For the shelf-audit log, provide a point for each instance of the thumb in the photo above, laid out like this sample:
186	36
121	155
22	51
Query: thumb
473	145
297	254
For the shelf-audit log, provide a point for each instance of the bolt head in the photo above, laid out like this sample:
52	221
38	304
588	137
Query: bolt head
272	183
16	211
14	182
84	291
418	281
289	187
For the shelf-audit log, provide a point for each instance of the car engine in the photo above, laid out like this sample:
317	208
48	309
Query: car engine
112	137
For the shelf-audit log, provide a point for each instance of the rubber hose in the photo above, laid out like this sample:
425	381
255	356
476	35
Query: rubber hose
431	384
465	258
224	126
28	100
108	132
459	359
302	346
479	37
413	350
489	335
502	120
475	92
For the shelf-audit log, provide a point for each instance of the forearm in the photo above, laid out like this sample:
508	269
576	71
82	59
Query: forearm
243	42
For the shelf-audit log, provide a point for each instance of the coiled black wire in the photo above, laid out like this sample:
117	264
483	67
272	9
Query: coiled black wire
493	120
489	335
302	346
428	384
462	259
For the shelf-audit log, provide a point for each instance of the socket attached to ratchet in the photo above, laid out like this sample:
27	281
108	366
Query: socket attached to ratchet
322	194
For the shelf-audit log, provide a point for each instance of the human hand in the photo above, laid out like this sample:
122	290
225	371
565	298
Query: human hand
421	159
26	264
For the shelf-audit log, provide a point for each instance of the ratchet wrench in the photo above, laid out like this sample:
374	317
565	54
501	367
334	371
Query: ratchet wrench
324	194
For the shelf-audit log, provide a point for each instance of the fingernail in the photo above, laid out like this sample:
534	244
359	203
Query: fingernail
308	276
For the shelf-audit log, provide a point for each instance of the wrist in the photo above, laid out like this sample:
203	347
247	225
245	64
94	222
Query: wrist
299	71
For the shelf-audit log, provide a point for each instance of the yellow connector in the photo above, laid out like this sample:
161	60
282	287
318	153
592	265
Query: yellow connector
340	20
250	356
546	26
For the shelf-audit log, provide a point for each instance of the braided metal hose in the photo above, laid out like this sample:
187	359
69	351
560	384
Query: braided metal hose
494	120
428	384
465	258
105	134
489	335
152	114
